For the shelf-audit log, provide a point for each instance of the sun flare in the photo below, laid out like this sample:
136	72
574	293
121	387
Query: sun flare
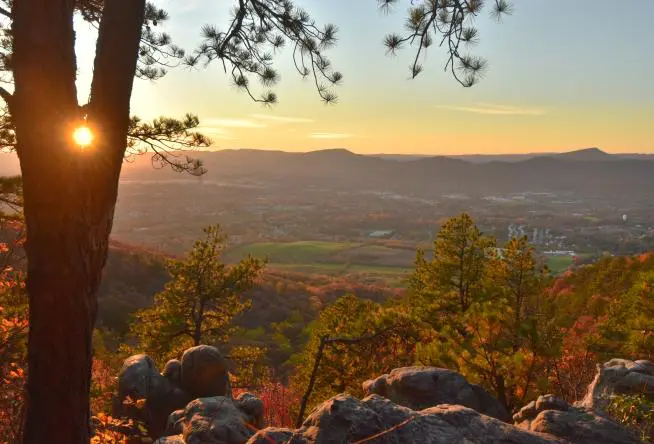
83	136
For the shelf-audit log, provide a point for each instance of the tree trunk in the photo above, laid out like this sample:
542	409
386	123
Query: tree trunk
69	195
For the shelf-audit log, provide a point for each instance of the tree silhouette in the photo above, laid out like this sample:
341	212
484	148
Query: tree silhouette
70	194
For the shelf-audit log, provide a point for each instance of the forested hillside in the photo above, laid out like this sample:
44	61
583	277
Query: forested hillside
493	314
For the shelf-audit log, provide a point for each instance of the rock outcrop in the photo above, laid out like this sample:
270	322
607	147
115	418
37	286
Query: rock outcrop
139	379
344	419
204	372
419	388
556	417
408	405
619	376
201	373
216	420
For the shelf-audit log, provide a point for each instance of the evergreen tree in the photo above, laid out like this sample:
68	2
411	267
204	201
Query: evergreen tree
198	304
484	308
452	280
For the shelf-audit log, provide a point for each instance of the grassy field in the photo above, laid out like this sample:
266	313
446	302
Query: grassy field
381	261
558	264
371	261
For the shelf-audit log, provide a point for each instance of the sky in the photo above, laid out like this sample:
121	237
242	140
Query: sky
563	75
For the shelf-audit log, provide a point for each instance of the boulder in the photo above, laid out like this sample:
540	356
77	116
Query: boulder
618	376
252	407
173	371
214	420
271	435
139	379
344	419
174	425
422	387
205	372
556	417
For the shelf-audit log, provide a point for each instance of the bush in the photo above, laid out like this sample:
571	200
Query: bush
636	412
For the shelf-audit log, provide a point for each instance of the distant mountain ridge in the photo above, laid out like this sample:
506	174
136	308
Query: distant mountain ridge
587	171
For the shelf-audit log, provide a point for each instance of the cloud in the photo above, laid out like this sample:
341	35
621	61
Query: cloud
496	110
230	123
217	133
281	119
330	136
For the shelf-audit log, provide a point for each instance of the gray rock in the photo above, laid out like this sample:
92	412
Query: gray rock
137	377
643	366
174	425
582	427
271	435
205	372
345	419
173	371
252	407
618	376
215	420
556	417
422	387
218	419
140	379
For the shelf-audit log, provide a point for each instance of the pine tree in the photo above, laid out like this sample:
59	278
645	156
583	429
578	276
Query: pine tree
200	301
452	279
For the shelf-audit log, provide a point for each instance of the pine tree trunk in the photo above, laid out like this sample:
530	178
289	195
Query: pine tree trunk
69	195
65	264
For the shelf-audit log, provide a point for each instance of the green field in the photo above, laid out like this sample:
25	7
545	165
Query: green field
558	264
375	262
290	252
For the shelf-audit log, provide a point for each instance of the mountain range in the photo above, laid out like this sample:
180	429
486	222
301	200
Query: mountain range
588	171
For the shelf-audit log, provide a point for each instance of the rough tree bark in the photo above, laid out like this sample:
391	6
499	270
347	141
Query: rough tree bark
69	194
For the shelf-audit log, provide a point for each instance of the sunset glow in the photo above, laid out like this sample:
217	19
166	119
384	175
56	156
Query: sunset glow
83	136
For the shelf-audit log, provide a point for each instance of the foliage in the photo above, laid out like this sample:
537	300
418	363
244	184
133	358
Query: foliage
13	316
279	403
198	304
484	309
575	365
635	411
452	280
109	430
13	333
364	339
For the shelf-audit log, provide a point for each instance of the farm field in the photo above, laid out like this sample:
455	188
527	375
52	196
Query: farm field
373	262
384	262
559	264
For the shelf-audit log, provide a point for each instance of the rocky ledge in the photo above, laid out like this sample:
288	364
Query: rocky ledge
192	403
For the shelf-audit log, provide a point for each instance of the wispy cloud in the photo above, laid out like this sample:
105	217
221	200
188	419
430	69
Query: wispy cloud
330	136
231	123
496	110
217	133
280	119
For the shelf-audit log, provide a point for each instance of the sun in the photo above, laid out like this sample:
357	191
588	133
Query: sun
83	136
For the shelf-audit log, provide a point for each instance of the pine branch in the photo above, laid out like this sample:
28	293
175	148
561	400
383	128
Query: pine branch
259	28
452	22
